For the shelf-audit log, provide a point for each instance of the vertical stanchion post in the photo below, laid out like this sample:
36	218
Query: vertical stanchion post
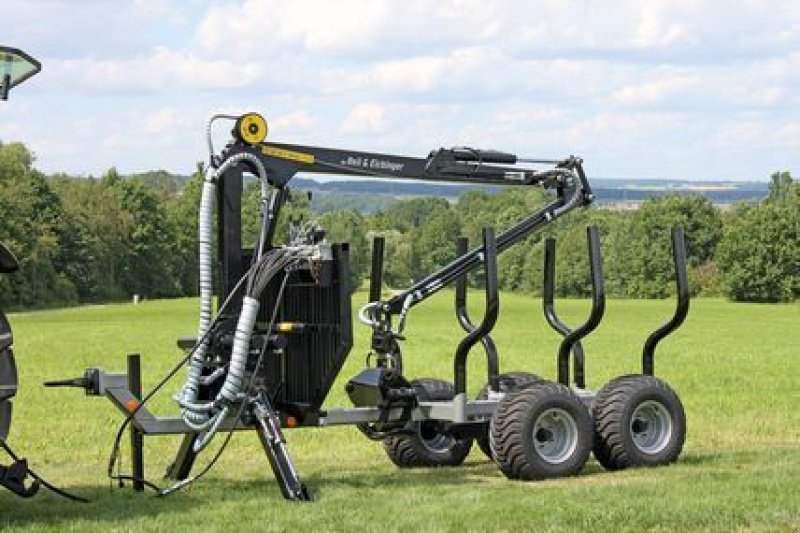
598	307
483	329
137	437
682	308
548	302
492	365
376	274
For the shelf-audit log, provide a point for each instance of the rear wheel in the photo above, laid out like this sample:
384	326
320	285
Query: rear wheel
639	421
542	431
508	382
8	377
429	443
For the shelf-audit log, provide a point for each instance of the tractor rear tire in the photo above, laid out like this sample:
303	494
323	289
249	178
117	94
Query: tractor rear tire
8	377
508	382
543	431
5	420
429	444
639	421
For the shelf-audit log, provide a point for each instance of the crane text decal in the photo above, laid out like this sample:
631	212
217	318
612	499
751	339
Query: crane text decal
372	164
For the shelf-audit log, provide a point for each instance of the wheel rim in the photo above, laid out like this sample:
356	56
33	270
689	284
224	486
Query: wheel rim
555	435
433	438
651	427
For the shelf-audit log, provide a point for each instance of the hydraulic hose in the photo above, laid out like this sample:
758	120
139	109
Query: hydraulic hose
241	347
196	415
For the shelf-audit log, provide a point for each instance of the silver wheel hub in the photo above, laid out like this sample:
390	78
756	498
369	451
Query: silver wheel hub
432	437
555	435
651	427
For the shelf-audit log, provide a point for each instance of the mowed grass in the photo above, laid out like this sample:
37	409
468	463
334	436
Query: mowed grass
735	366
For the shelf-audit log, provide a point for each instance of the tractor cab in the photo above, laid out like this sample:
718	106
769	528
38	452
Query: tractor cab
15	67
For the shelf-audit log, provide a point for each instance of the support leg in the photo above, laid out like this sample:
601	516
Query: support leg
271	436
181	467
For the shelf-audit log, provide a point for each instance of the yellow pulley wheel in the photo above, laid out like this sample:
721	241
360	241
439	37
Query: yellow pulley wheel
251	128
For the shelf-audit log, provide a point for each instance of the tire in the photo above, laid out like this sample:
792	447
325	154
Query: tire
508	382
540	432
639	421
430	444
5	420
8	377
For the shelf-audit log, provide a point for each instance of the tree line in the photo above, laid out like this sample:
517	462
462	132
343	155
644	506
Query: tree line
107	238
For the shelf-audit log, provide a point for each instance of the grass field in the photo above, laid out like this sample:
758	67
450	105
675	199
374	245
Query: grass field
735	367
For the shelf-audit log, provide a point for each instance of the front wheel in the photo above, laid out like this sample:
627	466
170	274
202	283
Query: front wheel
639	421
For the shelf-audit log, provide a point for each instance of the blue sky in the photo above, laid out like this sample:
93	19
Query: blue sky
697	89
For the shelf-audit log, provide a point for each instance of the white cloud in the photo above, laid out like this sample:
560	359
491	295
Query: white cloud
365	118
294	123
623	82
163	69
256	28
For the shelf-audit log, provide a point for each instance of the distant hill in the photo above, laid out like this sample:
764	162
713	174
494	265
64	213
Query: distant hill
607	191
372	195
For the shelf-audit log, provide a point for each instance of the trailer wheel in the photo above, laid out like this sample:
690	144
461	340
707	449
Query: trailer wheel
542	431
509	382
639	421
429	443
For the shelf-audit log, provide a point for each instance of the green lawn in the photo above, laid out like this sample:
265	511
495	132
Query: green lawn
735	367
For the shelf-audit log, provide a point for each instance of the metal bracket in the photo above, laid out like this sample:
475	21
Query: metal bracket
13	478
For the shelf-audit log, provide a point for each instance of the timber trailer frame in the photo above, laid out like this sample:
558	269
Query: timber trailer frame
283	330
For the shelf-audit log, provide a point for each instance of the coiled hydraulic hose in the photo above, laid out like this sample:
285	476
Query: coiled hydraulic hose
196	415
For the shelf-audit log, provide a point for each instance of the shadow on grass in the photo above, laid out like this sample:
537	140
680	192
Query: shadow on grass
105	505
469	473
703	458
401	478
111	506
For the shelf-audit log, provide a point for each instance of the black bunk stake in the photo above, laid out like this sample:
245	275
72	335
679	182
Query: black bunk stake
682	282
376	274
464	320
137	437
479	333
598	306
550	315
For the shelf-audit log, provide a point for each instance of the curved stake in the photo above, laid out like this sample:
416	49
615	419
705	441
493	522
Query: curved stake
598	306
550	311
681	310
464	320
480	332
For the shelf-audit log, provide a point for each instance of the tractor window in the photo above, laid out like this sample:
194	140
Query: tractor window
15	67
